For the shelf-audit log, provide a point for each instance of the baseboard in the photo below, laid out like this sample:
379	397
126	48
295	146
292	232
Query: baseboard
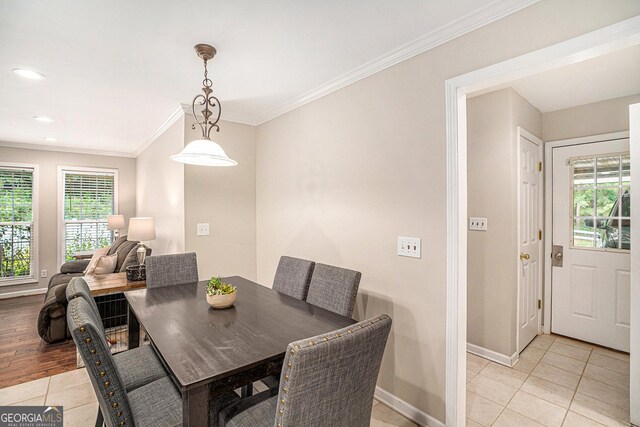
16	294
406	409
494	356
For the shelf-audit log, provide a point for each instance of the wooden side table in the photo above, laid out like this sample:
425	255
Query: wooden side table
113	283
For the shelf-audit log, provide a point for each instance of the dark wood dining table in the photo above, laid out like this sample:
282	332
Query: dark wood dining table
208	352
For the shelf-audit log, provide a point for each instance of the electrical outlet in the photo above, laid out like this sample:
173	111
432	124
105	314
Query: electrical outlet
43	273
410	247
202	229
477	224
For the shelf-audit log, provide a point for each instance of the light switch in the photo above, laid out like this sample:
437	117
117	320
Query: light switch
477	223
202	229
409	246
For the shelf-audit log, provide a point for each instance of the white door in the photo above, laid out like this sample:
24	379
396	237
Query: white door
591	208
529	236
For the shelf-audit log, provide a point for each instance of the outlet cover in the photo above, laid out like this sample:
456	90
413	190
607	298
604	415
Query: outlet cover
202	229
477	223
43	273
410	247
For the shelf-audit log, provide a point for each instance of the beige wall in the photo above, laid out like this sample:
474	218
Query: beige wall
586	120
340	178
492	122
226	199
48	162
160	190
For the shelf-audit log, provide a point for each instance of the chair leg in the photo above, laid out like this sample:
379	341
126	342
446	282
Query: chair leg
100	419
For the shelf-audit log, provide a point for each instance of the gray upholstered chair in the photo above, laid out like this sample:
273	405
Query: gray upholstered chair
293	276
327	380
155	403
167	270
138	366
334	288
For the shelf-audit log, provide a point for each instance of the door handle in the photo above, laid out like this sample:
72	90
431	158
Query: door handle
557	255
524	256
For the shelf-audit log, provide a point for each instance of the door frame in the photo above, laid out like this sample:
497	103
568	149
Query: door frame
523	133
548	211
596	43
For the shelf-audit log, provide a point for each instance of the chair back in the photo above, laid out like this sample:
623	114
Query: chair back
89	337
168	270
293	277
334	288
78	287
330	379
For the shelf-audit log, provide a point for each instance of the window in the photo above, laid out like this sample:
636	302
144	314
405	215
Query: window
601	196
18	215
89	196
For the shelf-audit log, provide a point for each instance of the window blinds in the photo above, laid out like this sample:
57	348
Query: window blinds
88	197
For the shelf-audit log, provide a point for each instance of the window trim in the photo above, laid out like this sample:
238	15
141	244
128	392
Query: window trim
35	247
88	171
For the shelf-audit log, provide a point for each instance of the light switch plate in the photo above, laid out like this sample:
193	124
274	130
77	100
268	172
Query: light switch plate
477	223
410	247
202	229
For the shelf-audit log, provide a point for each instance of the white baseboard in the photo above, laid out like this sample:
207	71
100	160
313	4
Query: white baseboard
16	294
406	409
494	356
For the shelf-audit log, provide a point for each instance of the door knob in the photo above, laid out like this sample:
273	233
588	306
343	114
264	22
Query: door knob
558	256
524	256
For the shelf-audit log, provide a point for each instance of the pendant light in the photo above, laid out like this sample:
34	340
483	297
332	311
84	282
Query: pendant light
204	151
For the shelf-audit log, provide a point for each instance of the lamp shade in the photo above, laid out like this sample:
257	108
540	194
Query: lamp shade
142	229
115	222
203	152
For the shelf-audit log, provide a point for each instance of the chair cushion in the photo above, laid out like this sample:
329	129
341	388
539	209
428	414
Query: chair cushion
257	410
156	404
138	367
123	251
75	266
115	245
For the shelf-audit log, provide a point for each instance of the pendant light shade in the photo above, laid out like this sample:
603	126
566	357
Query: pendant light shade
203	152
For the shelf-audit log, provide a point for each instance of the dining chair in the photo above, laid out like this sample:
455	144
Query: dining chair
155	403
137	366
327	380
334	288
293	276
167	270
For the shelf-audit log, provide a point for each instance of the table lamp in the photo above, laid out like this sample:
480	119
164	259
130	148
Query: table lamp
115	223
141	229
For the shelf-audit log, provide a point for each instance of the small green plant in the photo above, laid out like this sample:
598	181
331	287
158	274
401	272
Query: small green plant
216	287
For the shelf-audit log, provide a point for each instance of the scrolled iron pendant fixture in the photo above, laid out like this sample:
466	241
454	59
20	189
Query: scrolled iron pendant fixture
204	151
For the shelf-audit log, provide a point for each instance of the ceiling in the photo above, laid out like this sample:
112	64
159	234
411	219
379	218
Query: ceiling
116	70
609	76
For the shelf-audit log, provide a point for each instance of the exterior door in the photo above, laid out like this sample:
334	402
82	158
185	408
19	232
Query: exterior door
591	222
529	238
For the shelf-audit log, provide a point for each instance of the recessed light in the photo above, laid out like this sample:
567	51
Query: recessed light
28	74
50	139
43	119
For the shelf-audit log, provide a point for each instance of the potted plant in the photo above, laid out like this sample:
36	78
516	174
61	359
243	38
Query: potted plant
220	295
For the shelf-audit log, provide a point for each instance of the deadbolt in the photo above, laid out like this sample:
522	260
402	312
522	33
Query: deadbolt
524	256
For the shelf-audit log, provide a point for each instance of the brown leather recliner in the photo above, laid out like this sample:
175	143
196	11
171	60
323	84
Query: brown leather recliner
52	320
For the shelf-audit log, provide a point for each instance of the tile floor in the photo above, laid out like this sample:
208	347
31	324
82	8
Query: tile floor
558	381
74	392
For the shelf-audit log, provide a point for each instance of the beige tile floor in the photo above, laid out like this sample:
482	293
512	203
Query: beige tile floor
557	382
74	392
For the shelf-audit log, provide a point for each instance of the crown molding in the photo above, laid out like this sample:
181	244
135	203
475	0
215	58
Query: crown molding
174	117
465	24
63	149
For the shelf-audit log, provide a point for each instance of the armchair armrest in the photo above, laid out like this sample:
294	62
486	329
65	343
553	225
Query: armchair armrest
77	266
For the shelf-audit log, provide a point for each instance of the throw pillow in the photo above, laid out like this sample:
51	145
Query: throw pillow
94	260
106	264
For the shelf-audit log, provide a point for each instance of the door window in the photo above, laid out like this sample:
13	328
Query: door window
601	191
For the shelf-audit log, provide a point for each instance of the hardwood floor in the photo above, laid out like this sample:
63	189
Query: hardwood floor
23	355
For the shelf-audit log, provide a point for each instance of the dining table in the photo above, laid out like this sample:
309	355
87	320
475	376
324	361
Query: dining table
209	352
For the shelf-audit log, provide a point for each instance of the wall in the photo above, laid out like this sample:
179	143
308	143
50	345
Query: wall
340	178
226	199
160	189
48	162
586	120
